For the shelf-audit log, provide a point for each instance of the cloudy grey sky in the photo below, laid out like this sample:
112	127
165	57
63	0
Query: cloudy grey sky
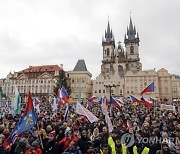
44	32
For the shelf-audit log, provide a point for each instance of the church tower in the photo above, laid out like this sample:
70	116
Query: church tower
108	44
131	41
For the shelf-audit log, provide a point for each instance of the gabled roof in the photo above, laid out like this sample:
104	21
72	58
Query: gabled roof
80	65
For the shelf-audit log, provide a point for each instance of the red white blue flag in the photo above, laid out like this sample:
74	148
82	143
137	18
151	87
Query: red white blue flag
149	88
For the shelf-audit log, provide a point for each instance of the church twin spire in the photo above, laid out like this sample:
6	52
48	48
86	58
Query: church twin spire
109	37
131	36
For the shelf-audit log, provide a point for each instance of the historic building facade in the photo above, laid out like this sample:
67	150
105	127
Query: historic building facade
175	80
121	69
121	74
81	83
39	80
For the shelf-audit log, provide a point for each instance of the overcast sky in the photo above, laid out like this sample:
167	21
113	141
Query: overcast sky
45	32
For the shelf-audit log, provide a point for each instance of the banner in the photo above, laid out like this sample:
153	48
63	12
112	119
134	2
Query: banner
168	107
83	111
6	107
107	118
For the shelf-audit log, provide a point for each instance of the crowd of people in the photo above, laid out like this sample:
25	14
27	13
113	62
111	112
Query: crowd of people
136	130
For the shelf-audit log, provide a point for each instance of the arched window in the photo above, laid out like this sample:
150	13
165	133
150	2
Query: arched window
120	71
107	51
132	50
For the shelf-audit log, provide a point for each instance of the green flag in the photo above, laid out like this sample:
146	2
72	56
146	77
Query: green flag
17	102
79	95
0	96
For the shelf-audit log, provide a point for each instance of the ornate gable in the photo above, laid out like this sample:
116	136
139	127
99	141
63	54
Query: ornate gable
22	76
45	75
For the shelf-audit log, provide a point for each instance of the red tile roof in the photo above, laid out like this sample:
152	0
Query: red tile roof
43	68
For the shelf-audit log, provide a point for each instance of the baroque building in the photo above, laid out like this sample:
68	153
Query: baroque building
39	80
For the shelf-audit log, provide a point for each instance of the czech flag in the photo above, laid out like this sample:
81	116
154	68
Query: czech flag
103	100
115	102
148	104
91	99
64	95
150	88
135	100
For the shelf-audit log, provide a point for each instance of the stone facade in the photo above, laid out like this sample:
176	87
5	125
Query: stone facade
175	81
81	83
121	70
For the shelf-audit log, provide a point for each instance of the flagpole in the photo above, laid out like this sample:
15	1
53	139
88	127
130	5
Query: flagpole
40	136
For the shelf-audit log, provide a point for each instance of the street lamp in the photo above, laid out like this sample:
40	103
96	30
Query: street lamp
110	85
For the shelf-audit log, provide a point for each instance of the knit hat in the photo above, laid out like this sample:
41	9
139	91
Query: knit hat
53	133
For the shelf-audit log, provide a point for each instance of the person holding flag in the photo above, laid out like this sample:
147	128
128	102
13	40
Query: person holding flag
28	121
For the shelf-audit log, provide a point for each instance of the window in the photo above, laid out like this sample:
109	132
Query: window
132	50
120	71
103	91
107	51
99	91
